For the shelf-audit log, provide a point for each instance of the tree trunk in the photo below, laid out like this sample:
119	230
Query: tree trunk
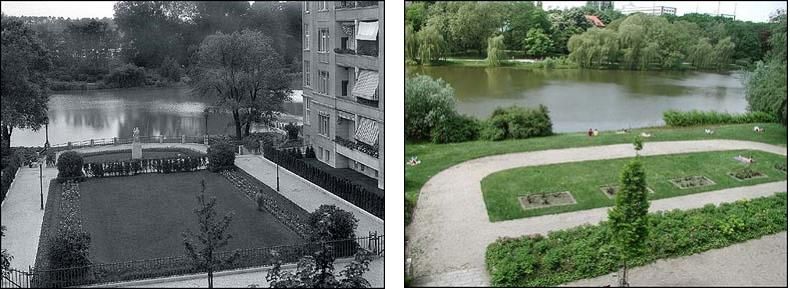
237	121
624	278
7	138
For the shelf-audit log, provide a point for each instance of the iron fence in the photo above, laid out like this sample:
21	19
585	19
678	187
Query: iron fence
182	265
143	139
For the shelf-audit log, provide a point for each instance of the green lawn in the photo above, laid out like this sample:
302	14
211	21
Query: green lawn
583	179
438	157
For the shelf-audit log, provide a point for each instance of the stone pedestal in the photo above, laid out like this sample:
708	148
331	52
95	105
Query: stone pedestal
137	150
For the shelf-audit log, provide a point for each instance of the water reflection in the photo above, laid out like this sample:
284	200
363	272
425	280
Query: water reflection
97	114
582	99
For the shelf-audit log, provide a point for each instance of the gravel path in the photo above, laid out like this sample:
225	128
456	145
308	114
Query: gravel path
450	231
760	262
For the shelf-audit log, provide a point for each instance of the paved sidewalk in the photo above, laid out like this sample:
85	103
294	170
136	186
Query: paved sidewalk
22	215
761	262
303	193
451	229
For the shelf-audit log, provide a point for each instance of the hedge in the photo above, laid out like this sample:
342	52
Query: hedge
353	193
134	167
698	117
517	123
587	252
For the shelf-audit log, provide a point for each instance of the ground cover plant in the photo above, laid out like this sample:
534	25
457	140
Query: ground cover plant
692	182
697	117
746	173
501	190
437	157
585	251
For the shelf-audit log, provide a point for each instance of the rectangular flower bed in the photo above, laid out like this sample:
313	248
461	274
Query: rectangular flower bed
610	190
745	174
543	200
692	182
781	167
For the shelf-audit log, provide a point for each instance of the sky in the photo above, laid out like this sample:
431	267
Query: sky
756	11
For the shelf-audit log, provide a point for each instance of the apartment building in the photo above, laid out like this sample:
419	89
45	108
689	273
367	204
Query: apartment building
343	53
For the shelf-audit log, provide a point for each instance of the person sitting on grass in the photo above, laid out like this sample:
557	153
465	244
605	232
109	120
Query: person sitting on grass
589	132
708	131
759	129
595	132
645	134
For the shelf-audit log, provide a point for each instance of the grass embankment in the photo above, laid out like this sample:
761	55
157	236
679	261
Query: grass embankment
584	179
586	251
438	157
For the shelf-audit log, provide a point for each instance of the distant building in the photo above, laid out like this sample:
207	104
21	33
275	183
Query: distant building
601	5
652	10
343	52
595	21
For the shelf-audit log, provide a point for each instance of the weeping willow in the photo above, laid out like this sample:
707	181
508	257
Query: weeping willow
496	47
431	45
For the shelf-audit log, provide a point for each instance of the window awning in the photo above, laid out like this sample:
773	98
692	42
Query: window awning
346	115
368	31
366	85
367	131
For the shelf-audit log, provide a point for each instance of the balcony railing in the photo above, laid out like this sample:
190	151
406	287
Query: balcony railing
367	50
355	4
359	146
368	102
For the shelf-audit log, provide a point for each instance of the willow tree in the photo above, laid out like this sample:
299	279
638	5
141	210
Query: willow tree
496	50
245	73
724	50
431	44
412	45
700	54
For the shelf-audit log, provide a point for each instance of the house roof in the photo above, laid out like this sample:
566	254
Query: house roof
595	21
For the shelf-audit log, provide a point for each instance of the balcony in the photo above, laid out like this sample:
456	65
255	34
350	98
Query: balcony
359	10
358	146
355	4
350	58
368	102
343	148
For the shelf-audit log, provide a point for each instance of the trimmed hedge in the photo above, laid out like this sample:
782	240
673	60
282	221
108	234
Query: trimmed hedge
353	193
134	167
69	165
517	122
221	156
587	251
698	117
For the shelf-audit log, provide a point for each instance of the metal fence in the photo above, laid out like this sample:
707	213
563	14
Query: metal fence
143	139
174	266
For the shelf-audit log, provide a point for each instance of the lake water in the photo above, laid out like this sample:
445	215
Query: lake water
82	115
583	99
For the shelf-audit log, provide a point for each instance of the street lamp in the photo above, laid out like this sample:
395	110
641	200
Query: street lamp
41	183
278	178
46	127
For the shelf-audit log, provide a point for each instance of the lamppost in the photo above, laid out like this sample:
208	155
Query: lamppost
41	183
278	178
46	127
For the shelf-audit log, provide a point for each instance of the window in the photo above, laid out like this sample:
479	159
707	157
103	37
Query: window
323	124
323	81
344	88
326	155
344	43
307	73
306	111
323	39
307	37
322	6
306	7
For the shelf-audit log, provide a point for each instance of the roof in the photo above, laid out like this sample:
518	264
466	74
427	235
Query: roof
595	21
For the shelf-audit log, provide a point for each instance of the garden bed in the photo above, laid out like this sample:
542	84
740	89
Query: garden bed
692	182
611	190
745	174
543	200
782	167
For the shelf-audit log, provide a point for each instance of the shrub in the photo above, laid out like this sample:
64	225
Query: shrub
69	165
128	75
697	117
170	70
328	223
292	130
69	249
309	153
428	101
586	251
456	128
221	156
517	123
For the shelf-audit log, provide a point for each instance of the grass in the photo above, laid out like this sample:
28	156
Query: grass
587	251
583	179
126	154
438	157
142	217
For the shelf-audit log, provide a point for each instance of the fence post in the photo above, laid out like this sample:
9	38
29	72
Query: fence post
161	139
115	140
183	138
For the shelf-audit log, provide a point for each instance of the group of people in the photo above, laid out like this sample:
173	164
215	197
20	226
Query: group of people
592	132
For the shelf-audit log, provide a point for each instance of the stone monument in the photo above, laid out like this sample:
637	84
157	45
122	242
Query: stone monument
137	148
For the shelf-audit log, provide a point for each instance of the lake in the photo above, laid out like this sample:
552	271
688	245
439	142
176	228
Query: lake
82	115
582	99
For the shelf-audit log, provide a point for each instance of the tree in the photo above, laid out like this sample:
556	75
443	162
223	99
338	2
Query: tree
212	236
519	18
537	43
472	24
496	53
432	46
628	219
24	63
766	86
153	29
428	101
245	73
724	51
638	144
412	45
416	14
330	223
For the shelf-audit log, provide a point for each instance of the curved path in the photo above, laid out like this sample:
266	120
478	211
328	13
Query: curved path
451	229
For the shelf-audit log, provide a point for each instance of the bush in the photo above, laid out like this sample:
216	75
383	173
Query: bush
69	249
170	70
293	131
697	117
329	223
456	128
309	153
587	251
69	165
221	156
428	101
517	123
128	75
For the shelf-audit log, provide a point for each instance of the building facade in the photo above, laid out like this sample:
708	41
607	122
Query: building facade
652	10
343	74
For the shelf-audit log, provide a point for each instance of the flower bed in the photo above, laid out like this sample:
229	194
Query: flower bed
611	190
743	174
781	167
542	200
692	182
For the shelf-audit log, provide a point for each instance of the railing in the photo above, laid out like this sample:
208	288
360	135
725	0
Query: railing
13	278
368	102
143	139
359	146
354	4
369	50
173	266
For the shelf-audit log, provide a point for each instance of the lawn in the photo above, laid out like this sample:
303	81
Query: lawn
142	217
583	179
438	157
119	155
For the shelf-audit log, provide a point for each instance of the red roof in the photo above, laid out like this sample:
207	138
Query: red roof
595	21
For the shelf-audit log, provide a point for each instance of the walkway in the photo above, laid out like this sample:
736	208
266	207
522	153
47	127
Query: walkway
305	194
451	229
755	263
22	215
